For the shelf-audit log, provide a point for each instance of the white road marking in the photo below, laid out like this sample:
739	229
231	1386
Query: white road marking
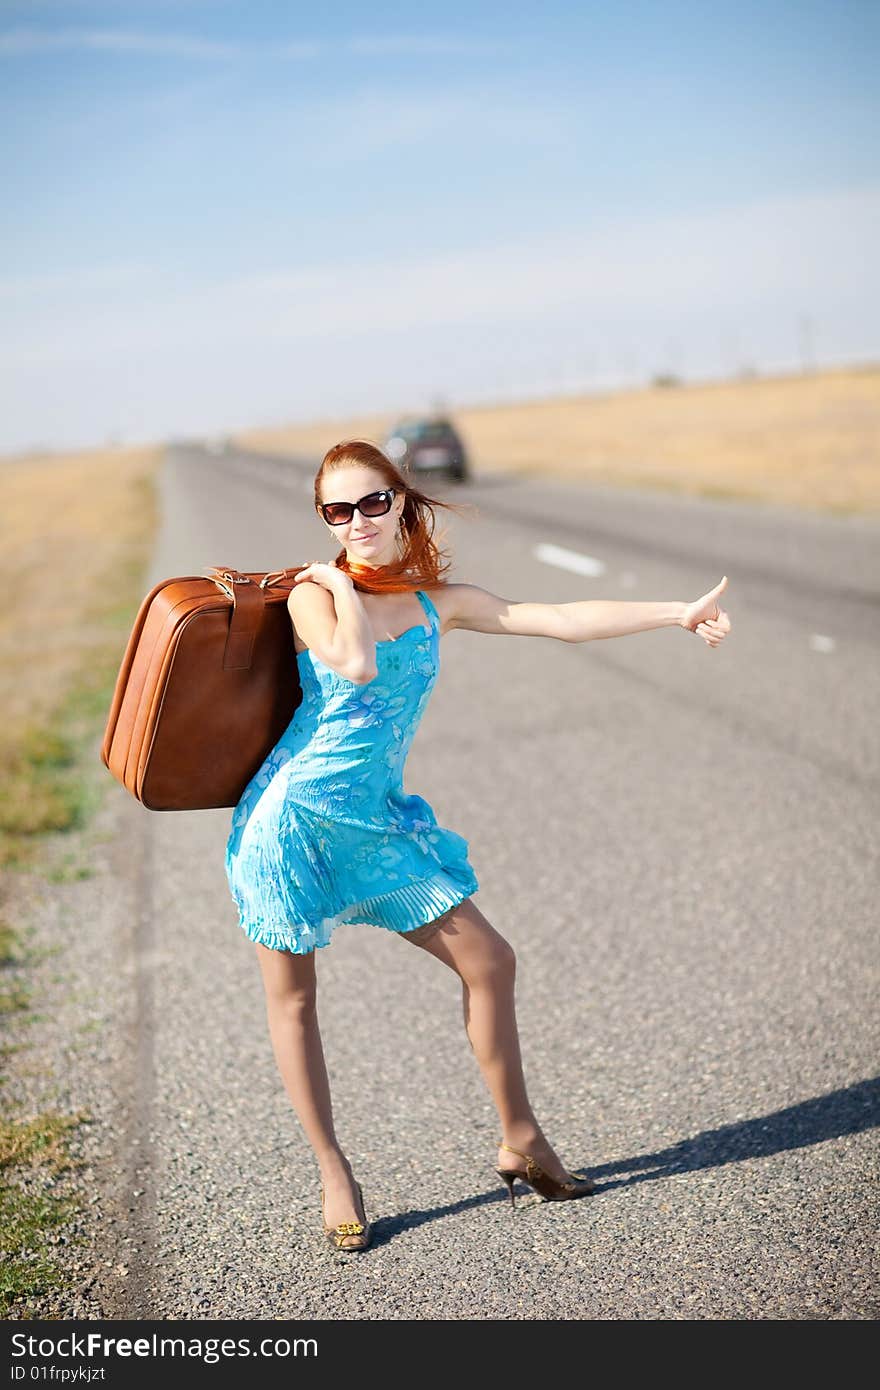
820	643
569	560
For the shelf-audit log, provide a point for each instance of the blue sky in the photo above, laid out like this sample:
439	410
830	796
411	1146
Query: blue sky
228	214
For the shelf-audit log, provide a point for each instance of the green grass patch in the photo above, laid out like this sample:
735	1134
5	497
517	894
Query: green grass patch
34	1153
10	946
39	1139
39	788
47	766
68	869
14	1000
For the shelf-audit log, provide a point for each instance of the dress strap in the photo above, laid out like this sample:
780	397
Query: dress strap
433	615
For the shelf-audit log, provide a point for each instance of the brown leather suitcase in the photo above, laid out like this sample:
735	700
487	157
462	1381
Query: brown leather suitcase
208	684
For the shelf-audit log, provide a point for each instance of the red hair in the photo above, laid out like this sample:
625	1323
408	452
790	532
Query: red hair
421	563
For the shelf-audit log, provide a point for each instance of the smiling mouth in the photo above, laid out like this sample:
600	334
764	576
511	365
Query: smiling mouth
365	538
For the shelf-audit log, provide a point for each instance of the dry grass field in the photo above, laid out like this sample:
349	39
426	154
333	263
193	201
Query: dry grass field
75	532
809	441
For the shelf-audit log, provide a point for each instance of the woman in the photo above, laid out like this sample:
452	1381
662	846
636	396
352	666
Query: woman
325	834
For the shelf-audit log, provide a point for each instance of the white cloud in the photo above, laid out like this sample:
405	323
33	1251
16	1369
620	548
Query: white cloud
80	280
29	40
149	352
114	40
424	45
797	250
375	120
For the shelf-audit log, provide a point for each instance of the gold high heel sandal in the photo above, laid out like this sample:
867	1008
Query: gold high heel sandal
549	1188
348	1235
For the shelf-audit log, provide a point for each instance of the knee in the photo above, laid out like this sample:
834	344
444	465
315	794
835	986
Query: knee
298	1005
497	964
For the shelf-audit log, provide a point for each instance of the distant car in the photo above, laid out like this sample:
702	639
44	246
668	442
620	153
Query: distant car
428	446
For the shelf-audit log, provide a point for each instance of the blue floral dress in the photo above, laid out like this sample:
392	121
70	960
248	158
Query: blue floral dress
324	833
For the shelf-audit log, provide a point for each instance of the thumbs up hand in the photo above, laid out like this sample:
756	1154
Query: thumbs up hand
706	617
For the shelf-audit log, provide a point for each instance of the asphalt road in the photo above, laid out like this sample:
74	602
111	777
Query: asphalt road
681	845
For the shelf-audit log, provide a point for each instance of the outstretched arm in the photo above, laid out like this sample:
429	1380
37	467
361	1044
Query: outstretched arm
477	610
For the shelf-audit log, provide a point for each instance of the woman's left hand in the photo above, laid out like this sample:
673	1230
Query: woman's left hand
706	617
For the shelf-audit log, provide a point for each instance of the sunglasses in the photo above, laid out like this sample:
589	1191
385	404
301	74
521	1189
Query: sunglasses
374	504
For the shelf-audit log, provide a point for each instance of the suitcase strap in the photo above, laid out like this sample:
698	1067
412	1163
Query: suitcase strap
248	610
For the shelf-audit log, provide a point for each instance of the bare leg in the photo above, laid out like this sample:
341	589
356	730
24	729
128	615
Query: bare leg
465	941
290	985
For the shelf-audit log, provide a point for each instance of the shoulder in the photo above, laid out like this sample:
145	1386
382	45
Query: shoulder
454	603
311	608
309	598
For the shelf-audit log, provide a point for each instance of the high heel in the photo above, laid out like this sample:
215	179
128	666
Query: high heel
348	1235
549	1188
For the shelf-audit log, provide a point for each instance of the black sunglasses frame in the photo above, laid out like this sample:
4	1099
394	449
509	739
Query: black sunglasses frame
388	492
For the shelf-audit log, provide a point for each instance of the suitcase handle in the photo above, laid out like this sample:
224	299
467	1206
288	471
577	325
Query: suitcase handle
225	578
278	576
